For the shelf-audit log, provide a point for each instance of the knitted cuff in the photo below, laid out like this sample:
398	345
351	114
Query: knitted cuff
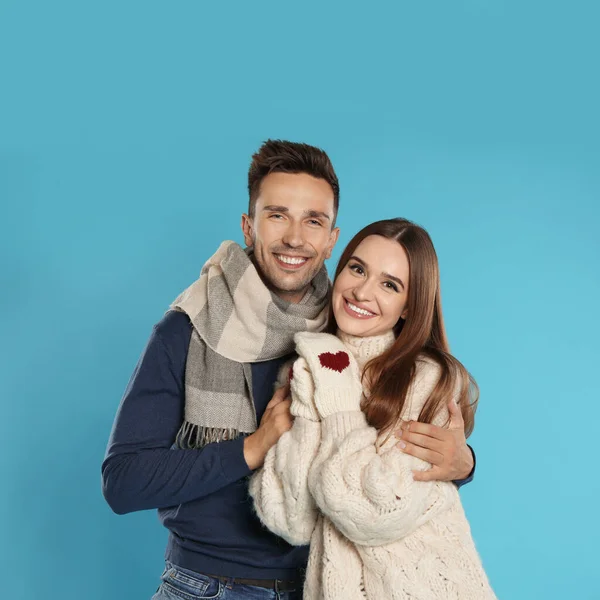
303	391
333	400
340	424
306	431
301	409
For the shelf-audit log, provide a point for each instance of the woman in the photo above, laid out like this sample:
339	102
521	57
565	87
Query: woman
337	479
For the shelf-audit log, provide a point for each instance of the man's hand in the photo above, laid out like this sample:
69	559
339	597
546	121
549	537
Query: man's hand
274	423
445	449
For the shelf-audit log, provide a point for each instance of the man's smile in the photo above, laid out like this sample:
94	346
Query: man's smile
290	262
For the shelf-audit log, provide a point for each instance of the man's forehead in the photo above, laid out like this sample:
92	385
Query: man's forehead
296	197
296	183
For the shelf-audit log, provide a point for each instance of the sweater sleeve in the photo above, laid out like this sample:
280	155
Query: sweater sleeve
280	488
367	490
141	469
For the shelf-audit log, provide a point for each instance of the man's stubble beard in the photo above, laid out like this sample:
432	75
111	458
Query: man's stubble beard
292	286
268	275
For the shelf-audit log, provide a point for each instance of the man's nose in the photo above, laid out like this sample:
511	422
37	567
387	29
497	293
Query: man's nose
293	236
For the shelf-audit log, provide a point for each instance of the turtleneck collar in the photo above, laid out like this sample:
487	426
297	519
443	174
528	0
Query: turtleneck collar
365	349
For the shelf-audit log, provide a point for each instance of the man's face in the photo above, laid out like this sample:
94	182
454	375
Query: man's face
291	231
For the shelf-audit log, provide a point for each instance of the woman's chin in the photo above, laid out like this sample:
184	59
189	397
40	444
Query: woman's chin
351	326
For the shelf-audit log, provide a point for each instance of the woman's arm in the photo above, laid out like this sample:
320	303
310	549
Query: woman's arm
369	493
280	488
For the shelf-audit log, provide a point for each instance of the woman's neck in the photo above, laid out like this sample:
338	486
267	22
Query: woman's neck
365	349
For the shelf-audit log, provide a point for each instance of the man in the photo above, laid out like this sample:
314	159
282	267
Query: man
199	414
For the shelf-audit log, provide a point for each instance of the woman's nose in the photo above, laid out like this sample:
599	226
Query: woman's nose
362	292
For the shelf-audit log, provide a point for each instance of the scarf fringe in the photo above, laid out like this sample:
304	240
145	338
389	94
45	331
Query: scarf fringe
190	436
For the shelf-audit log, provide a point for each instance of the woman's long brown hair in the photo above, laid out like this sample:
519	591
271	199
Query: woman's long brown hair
422	333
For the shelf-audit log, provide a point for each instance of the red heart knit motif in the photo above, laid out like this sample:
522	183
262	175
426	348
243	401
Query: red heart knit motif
336	362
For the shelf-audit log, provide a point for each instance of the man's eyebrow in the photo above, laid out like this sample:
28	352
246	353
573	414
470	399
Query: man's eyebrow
313	214
386	275
274	208
317	214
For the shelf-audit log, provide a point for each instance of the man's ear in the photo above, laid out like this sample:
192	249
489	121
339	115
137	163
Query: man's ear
248	230
333	238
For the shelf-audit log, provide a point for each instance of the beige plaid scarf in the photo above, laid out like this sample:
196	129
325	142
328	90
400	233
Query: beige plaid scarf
236	321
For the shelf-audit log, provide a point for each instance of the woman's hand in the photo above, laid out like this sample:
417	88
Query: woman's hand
335	374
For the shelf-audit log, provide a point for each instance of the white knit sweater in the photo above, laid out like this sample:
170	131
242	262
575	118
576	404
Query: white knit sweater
374	532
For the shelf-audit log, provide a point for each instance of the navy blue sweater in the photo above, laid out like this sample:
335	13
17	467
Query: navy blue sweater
201	495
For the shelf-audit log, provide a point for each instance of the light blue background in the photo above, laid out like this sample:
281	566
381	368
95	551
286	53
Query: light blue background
126	130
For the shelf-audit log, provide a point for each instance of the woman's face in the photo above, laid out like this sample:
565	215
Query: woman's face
370	294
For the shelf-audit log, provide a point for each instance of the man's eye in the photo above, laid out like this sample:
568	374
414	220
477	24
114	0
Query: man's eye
276	216
315	222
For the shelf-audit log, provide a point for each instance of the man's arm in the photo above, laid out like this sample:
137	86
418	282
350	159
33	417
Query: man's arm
452	459
141	470
460	482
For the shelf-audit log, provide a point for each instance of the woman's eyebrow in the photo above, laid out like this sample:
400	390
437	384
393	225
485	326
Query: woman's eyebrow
386	275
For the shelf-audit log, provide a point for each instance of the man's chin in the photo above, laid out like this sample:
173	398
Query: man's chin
290	287
290	284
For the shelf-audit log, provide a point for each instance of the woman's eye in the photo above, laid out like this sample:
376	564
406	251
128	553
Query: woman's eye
391	286
357	269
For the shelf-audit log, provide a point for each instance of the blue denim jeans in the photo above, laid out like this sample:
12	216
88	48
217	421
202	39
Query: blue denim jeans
181	584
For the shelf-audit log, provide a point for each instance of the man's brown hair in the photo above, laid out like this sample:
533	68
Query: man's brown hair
280	156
